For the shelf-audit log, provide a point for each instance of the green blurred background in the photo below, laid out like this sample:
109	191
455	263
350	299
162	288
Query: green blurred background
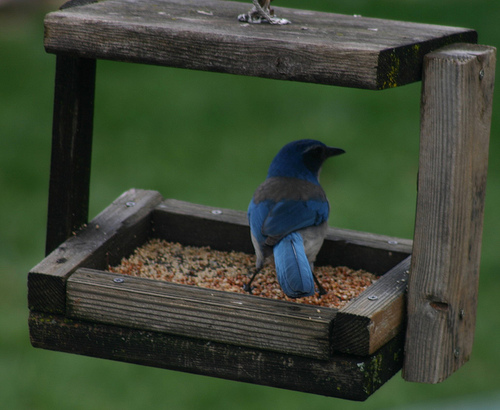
208	138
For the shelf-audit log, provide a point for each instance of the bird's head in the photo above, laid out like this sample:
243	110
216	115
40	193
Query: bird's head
302	159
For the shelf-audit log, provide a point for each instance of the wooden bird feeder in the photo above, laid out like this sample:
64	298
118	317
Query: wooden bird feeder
420	314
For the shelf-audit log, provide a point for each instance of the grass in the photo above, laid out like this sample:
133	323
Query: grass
208	138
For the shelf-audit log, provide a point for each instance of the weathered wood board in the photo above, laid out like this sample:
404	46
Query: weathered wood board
457	95
226	317
369	321
343	376
317	47
71	132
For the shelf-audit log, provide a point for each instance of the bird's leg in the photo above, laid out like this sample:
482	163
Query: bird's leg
322	290
247	287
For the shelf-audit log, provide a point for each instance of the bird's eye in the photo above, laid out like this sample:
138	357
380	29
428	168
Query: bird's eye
313	158
315	150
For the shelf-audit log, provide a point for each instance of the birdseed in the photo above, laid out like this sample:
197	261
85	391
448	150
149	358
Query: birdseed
229	271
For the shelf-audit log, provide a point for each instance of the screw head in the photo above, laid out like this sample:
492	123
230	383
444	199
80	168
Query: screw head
481	74
217	212
372	297
130	204
118	280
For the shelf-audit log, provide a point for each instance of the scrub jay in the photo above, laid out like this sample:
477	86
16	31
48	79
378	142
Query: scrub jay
288	216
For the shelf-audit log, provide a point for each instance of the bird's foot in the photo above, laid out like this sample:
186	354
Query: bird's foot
321	289
248	288
321	292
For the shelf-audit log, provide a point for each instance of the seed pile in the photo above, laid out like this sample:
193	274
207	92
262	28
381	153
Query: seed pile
229	271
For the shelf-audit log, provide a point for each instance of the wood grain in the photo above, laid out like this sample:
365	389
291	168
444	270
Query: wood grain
369	321
318	47
241	320
117	230
343	376
443	289
71	148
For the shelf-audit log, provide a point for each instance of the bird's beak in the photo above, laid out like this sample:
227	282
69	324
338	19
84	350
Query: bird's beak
331	152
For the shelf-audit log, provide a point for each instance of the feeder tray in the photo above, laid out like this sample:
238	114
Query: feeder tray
75	306
212	332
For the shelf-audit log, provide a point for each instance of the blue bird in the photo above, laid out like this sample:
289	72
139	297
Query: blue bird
288	216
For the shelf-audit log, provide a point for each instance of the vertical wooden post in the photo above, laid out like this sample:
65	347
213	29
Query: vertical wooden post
71	148
457	93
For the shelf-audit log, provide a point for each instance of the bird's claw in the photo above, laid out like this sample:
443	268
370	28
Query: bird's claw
248	288
321	292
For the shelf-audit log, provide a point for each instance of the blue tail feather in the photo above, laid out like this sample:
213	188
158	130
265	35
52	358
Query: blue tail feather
292	267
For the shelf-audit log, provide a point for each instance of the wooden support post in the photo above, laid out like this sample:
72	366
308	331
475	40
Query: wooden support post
71	148
457	93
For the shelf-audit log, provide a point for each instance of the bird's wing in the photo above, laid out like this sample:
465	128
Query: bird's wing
288	216
257	214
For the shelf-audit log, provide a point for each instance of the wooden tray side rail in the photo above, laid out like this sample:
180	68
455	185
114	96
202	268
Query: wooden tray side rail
115	232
